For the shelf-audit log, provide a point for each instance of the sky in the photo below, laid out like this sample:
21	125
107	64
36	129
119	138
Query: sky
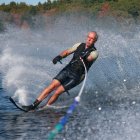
33	2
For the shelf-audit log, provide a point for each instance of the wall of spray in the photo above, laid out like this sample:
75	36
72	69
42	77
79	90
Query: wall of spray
26	55
109	107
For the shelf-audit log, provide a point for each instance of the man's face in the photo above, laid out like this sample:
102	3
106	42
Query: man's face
91	38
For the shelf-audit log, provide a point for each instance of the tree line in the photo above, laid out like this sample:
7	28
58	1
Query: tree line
121	8
14	7
129	6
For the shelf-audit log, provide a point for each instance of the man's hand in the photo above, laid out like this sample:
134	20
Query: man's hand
57	59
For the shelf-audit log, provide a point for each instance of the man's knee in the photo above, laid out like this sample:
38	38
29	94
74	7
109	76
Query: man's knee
59	90
55	83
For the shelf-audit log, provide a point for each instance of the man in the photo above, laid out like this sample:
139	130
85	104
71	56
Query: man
73	74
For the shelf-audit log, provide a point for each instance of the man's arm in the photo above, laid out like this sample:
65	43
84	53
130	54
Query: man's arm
93	56
69	51
65	53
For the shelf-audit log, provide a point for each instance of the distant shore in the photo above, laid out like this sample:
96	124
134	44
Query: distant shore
23	15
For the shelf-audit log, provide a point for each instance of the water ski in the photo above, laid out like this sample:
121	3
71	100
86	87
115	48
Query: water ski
23	108
18	105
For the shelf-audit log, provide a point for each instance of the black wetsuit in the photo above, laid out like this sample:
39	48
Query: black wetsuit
73	74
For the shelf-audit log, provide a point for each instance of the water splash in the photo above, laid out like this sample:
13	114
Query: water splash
26	56
112	93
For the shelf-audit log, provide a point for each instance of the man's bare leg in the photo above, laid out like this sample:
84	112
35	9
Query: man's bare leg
55	96
55	83
42	96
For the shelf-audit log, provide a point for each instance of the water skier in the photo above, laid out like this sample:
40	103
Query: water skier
73	73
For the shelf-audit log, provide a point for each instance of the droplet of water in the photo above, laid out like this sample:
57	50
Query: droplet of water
99	108
124	80
133	103
96	92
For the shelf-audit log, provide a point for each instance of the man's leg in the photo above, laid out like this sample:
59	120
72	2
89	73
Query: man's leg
55	83
68	85
55	96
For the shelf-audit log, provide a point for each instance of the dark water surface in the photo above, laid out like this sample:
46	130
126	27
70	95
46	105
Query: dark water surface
113	120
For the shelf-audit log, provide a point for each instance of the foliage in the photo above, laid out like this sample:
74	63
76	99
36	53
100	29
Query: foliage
131	7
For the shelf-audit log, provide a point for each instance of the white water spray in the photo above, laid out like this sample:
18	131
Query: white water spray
113	80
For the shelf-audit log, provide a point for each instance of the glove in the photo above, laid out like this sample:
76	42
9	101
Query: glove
57	59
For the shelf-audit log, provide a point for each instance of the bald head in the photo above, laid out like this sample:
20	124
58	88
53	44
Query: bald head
91	38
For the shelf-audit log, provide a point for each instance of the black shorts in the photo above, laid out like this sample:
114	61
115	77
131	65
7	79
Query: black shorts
68	79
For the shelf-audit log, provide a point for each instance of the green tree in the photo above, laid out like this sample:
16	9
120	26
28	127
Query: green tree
13	4
33	10
13	7
7	8
47	5
69	1
134	12
3	4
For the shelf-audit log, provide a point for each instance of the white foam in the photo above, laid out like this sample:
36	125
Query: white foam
21	95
